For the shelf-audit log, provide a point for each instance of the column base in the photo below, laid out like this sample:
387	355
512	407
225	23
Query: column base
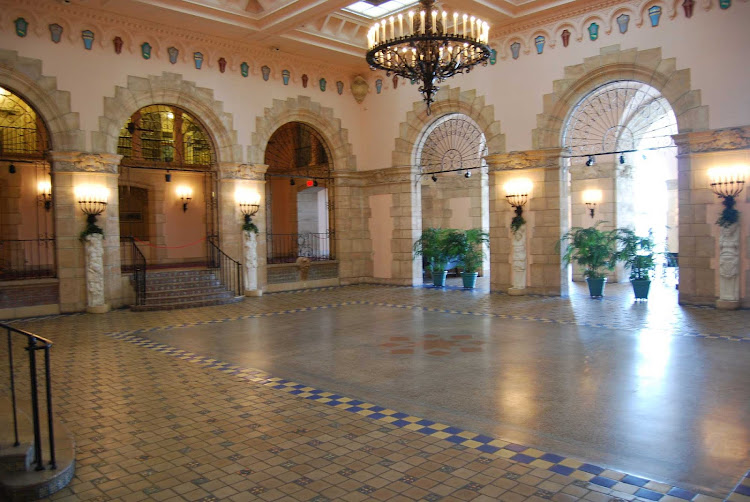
516	291
727	304
98	309
253	292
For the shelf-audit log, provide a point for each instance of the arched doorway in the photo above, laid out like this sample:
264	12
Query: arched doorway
167	187
299	195
27	240
454	182
618	141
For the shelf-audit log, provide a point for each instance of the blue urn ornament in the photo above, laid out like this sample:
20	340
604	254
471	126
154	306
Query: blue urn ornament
654	13
493	56
22	26
88	39
340	87
266	72
622	22
539	42
322	83
55	32
173	53
285	76
244	69
515	48
379	85
146	50
593	31
198	58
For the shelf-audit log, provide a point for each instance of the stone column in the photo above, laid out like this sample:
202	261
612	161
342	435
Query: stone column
709	272
234	240
70	169
546	220
95	303
519	262
729	268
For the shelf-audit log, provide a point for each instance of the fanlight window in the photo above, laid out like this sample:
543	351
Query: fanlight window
452	143
163	136
620	116
22	132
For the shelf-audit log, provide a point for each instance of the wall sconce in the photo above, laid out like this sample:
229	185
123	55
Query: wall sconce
92	199
44	189
249	201
591	198
727	183
517	194
12	169
185	194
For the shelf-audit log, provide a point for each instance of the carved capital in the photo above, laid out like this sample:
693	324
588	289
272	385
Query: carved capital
237	171
528	159
83	162
717	140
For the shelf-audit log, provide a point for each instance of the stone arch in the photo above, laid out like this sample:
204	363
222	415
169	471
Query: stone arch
24	76
168	89
303	109
447	100
613	64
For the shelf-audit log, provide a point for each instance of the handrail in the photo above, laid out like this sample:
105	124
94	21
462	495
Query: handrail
138	264
229	270
32	347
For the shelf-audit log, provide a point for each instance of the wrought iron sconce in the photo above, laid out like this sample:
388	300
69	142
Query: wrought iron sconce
249	201
517	194
727	183
591	198
185	194
44	189
12	169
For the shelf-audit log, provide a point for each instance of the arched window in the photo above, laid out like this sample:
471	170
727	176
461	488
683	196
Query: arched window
27	241
22	132
299	188
163	135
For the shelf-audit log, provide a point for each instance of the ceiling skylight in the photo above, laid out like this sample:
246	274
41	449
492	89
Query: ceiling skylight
377	11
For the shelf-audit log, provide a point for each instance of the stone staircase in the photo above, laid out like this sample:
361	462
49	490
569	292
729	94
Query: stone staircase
19	479
182	289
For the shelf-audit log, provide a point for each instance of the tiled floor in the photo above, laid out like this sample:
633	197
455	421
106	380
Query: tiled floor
237	402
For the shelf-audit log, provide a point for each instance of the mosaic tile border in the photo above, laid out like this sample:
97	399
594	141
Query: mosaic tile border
638	486
741	492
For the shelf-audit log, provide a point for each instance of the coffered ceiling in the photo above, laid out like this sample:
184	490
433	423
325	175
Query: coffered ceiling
319	29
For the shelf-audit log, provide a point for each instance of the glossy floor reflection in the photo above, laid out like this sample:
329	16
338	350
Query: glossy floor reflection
433	394
672	408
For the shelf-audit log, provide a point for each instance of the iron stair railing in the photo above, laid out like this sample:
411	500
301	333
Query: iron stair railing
34	343
138	267
227	270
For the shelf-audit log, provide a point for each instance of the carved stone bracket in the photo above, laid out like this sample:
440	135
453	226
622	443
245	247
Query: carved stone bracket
236	171
84	162
716	140
528	159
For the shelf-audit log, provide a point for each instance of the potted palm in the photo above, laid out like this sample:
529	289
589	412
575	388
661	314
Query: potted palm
593	249
438	246
471	254
638	254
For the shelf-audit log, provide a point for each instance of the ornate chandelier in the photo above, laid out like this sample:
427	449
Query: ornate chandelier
423	48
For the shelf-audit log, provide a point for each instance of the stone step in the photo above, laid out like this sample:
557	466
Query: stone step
188	297
171	286
183	288
175	306
31	484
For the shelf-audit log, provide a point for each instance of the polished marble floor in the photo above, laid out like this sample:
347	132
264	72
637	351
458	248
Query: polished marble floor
368	392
